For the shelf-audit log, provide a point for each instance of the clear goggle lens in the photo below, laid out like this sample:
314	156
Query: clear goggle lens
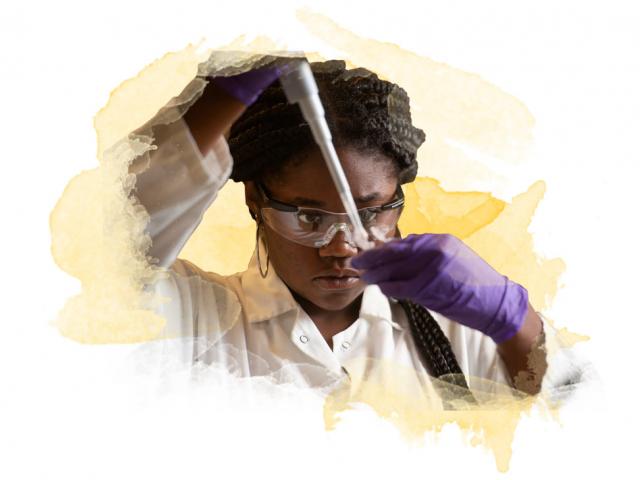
316	228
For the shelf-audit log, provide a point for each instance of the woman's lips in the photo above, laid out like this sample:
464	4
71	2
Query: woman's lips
336	283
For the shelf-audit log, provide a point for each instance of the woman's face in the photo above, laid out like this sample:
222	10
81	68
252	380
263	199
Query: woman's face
303	269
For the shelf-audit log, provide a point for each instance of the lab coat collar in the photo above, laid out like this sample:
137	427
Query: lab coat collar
266	298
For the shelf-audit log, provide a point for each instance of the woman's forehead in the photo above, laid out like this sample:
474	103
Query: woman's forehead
371	177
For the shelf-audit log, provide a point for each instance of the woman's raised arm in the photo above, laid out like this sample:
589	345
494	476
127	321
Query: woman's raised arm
180	177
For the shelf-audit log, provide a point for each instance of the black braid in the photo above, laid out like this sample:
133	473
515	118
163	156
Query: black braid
362	111
434	347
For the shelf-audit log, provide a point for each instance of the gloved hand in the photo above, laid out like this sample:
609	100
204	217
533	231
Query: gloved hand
439	272
247	86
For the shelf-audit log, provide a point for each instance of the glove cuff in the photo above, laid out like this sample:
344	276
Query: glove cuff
247	86
511	313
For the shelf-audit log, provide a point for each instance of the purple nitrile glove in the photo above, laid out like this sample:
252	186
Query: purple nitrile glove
439	272
247	86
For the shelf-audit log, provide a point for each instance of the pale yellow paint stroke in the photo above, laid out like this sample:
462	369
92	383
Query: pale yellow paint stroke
137	99
97	234
224	241
490	422
431	209
507	245
452	106
569	339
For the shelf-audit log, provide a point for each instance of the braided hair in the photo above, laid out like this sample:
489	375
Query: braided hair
365	113
362	112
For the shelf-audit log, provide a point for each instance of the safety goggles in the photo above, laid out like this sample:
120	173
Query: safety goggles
313	227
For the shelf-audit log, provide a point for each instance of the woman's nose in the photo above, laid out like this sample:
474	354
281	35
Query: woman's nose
338	247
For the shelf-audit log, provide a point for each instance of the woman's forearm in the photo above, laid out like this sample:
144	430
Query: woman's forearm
524	355
212	115
178	179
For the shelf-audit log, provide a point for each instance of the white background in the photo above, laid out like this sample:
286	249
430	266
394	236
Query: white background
69	411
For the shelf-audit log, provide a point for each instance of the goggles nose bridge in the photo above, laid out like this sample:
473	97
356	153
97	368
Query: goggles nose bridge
332	231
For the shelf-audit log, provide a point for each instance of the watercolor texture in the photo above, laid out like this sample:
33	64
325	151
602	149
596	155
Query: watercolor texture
462	115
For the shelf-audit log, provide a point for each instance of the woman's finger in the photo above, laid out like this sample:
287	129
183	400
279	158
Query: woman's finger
400	289
388	252
399	269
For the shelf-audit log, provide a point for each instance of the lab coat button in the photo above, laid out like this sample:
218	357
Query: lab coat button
304	338
346	345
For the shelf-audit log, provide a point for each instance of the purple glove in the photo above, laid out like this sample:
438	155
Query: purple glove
247	86
441	273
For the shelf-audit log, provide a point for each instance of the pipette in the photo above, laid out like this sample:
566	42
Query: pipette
300	87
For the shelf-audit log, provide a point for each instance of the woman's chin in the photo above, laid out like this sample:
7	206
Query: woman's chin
337	299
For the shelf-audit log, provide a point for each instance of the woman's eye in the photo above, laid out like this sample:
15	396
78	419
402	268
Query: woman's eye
309	217
368	216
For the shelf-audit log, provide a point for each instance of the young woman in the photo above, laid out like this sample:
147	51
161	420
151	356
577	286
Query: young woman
311	308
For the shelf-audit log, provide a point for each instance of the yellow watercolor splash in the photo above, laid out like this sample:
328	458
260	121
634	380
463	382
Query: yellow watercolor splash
455	108
98	234
490	420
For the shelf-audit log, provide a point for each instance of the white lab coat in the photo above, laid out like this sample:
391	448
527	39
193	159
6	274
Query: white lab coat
252	326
